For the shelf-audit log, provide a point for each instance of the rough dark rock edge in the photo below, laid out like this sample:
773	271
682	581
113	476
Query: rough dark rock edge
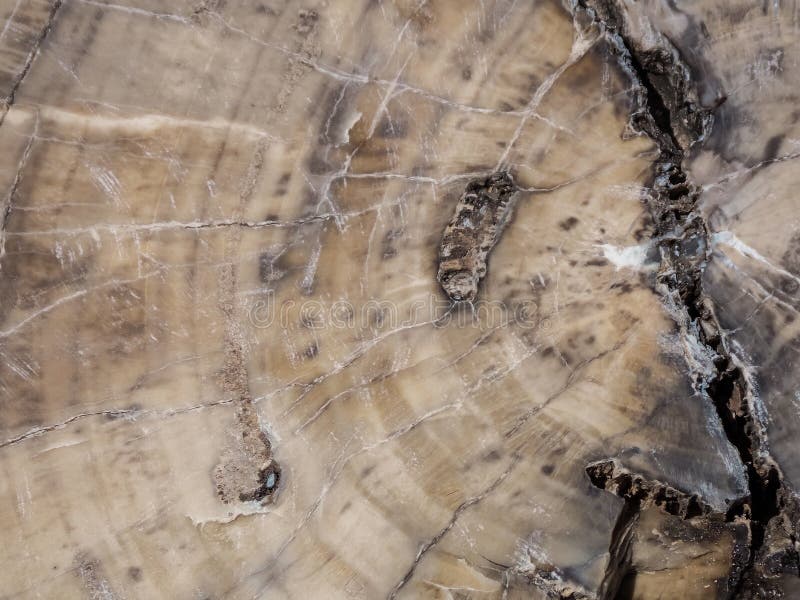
475	228
666	108
637	489
639	494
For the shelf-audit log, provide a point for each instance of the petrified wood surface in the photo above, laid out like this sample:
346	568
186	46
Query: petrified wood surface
232	365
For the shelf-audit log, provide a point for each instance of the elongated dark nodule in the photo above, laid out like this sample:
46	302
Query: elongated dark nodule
476	226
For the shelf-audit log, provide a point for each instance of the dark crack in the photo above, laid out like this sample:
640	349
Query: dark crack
431	543
8	101
666	108
620	551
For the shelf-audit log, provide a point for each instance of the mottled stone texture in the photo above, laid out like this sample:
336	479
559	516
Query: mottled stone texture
394	299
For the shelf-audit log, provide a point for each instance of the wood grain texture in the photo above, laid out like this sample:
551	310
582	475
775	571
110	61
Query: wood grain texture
228	369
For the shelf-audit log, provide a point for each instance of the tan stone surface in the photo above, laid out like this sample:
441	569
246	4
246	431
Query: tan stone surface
219	261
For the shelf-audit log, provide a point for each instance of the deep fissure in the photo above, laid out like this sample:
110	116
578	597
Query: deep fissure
658	110
683	237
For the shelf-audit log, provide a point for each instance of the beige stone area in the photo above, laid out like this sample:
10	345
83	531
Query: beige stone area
678	558
222	219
